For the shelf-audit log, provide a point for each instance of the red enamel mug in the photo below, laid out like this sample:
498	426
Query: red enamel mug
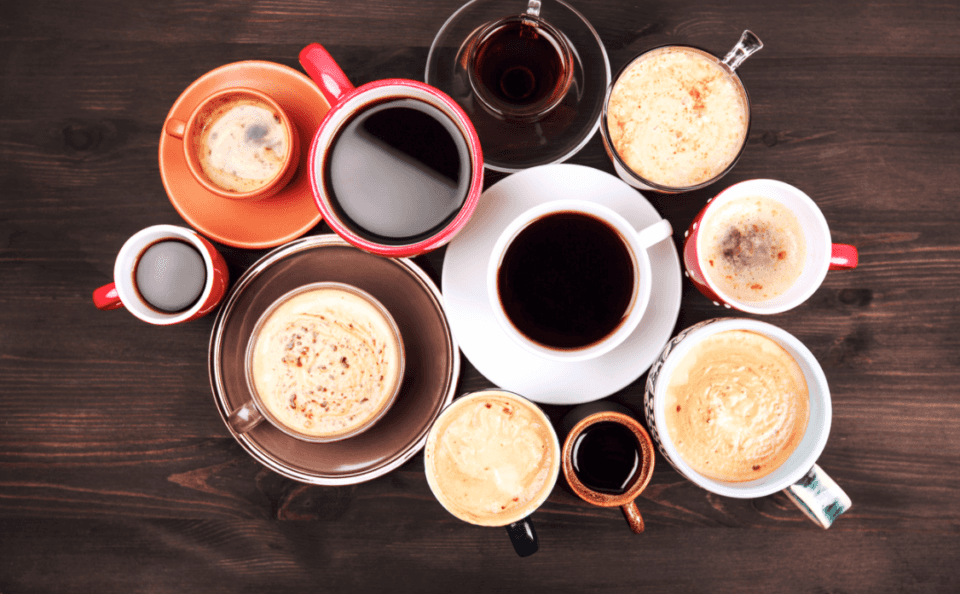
177	264
396	167
761	246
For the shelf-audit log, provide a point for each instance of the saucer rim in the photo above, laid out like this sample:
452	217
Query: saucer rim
172	186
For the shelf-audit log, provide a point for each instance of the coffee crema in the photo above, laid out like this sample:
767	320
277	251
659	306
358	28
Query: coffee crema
754	248
676	117
491	459
736	406
325	362
242	145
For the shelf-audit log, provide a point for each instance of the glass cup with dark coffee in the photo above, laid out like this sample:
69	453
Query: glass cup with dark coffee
607	458
396	167
676	118
569	280
164	275
762	246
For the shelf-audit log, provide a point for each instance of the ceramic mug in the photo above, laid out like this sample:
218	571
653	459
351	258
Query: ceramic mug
632	243
820	254
799	477
491	459
210	276
608	457
366	162
191	133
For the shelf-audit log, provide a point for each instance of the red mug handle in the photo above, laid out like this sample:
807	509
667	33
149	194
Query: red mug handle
325	72
843	256
106	297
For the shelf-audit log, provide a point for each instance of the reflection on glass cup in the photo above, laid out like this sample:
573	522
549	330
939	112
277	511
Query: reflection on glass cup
676	118
492	458
570	280
745	430
761	246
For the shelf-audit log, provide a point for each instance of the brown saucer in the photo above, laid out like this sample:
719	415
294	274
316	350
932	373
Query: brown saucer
250	224
432	359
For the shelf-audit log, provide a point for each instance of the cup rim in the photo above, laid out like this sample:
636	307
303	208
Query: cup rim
813	279
258	326
430	446
124	273
800	461
276	183
350	103
643	478
620	164
566	55
642	286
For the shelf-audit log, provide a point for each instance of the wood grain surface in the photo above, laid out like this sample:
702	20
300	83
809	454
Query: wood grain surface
117	473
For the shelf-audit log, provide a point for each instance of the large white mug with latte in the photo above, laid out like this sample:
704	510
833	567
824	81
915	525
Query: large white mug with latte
742	408
491	459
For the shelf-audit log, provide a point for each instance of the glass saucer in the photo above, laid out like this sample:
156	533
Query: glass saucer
509	145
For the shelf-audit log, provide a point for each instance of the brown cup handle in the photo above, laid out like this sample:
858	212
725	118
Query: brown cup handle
175	128
632	514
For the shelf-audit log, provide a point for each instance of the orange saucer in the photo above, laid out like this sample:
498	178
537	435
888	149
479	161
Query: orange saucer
246	223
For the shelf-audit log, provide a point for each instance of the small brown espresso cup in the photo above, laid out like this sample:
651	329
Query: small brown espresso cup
607	457
238	143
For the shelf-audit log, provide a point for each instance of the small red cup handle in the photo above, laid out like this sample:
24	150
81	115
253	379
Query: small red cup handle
843	256
325	72
106	297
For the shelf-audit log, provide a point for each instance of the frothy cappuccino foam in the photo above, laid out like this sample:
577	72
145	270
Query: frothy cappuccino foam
737	406
325	362
491	459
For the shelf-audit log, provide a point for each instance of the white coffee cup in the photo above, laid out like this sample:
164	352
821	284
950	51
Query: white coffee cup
815	493
636	242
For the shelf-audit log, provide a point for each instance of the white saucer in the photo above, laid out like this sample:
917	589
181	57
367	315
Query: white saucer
491	351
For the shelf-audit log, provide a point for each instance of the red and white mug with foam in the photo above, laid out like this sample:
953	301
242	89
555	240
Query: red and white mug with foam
346	101
821	254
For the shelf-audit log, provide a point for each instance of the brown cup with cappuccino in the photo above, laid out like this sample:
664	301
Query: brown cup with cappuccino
492	458
239	143
324	363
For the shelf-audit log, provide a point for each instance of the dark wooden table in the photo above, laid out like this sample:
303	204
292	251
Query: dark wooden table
118	475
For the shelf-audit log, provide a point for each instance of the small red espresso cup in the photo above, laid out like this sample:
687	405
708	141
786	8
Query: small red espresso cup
396	167
761	246
165	275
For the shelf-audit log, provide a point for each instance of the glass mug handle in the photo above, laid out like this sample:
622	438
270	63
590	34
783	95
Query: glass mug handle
818	496
523	537
748	45
245	418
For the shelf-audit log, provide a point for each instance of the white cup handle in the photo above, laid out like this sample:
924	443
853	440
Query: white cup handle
818	496
654	234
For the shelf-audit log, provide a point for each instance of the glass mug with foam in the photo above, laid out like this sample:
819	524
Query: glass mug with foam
569	280
676	118
761	246
164	275
742	409
396	167
491	459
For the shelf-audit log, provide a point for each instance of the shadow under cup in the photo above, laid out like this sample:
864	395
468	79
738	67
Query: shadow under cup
820	499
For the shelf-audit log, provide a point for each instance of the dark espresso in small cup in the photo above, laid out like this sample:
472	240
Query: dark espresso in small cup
170	275
521	67
567	280
415	172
